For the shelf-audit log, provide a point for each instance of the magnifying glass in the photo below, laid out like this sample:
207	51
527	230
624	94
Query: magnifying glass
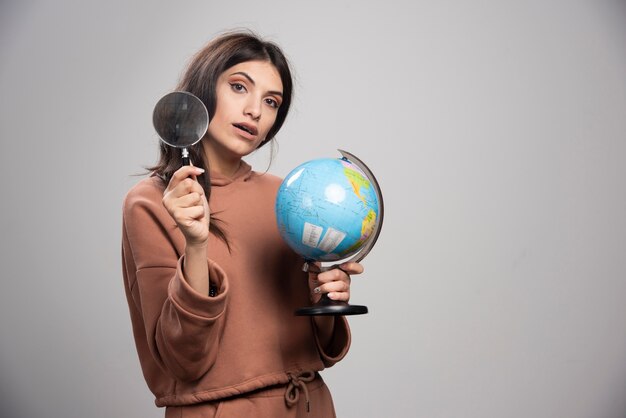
181	120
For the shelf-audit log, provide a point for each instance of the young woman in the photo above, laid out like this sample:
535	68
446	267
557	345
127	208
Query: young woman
211	286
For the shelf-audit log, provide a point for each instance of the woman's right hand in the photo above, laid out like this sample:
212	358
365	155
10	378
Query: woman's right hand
186	203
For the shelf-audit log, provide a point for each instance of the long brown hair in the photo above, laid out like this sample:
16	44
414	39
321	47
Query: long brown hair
200	79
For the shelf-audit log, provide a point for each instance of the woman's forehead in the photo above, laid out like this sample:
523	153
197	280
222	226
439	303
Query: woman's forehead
260	73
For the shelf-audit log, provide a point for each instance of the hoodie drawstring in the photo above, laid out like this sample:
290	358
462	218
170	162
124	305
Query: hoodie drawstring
297	383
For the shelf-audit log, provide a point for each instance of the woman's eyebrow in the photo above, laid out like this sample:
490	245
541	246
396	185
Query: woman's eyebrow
278	93
245	75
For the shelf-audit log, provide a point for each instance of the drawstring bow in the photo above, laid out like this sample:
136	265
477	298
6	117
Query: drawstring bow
297	383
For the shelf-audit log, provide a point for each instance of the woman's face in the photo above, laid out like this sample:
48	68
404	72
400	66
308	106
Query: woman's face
248	96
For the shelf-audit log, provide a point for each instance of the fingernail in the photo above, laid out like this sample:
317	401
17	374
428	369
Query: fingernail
200	170
331	295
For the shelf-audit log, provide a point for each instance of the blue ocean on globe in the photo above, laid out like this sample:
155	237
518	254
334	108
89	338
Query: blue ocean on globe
326	209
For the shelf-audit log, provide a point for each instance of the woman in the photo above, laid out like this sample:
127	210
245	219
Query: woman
210	284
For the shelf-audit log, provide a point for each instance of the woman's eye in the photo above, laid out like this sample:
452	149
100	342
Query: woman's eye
273	103
237	87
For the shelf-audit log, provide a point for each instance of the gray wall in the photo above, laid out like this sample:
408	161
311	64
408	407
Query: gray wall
496	128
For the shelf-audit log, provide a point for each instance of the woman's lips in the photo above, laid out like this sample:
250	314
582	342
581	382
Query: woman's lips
246	130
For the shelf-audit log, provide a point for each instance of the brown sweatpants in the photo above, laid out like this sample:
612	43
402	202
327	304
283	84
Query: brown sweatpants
265	403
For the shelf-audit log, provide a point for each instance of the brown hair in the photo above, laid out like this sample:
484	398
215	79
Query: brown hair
200	79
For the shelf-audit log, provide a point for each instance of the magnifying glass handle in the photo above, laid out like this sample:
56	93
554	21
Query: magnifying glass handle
185	157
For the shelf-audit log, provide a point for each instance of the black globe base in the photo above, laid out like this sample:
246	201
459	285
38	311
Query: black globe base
327	306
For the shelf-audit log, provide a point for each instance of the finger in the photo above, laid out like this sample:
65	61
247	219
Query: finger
333	275
314	284
343	296
352	268
186	216
195	212
189	200
183	173
185	187
338	286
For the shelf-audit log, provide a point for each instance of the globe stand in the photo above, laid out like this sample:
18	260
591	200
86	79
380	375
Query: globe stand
327	306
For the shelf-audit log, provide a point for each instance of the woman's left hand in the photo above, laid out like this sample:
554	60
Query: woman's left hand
335	282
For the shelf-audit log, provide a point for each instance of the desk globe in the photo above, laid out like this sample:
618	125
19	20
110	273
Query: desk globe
327	210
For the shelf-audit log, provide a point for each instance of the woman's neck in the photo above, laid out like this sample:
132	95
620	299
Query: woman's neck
226	167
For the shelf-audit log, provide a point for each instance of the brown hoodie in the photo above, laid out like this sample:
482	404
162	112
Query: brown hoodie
195	348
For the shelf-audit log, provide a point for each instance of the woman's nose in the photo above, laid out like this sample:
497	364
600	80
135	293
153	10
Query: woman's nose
253	109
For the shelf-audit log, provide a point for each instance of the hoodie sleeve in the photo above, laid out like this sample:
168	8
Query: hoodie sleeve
174	326
339	343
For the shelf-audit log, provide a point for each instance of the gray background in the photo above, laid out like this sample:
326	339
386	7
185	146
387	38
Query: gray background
496	128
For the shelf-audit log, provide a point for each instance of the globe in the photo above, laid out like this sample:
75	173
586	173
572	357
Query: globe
326	209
